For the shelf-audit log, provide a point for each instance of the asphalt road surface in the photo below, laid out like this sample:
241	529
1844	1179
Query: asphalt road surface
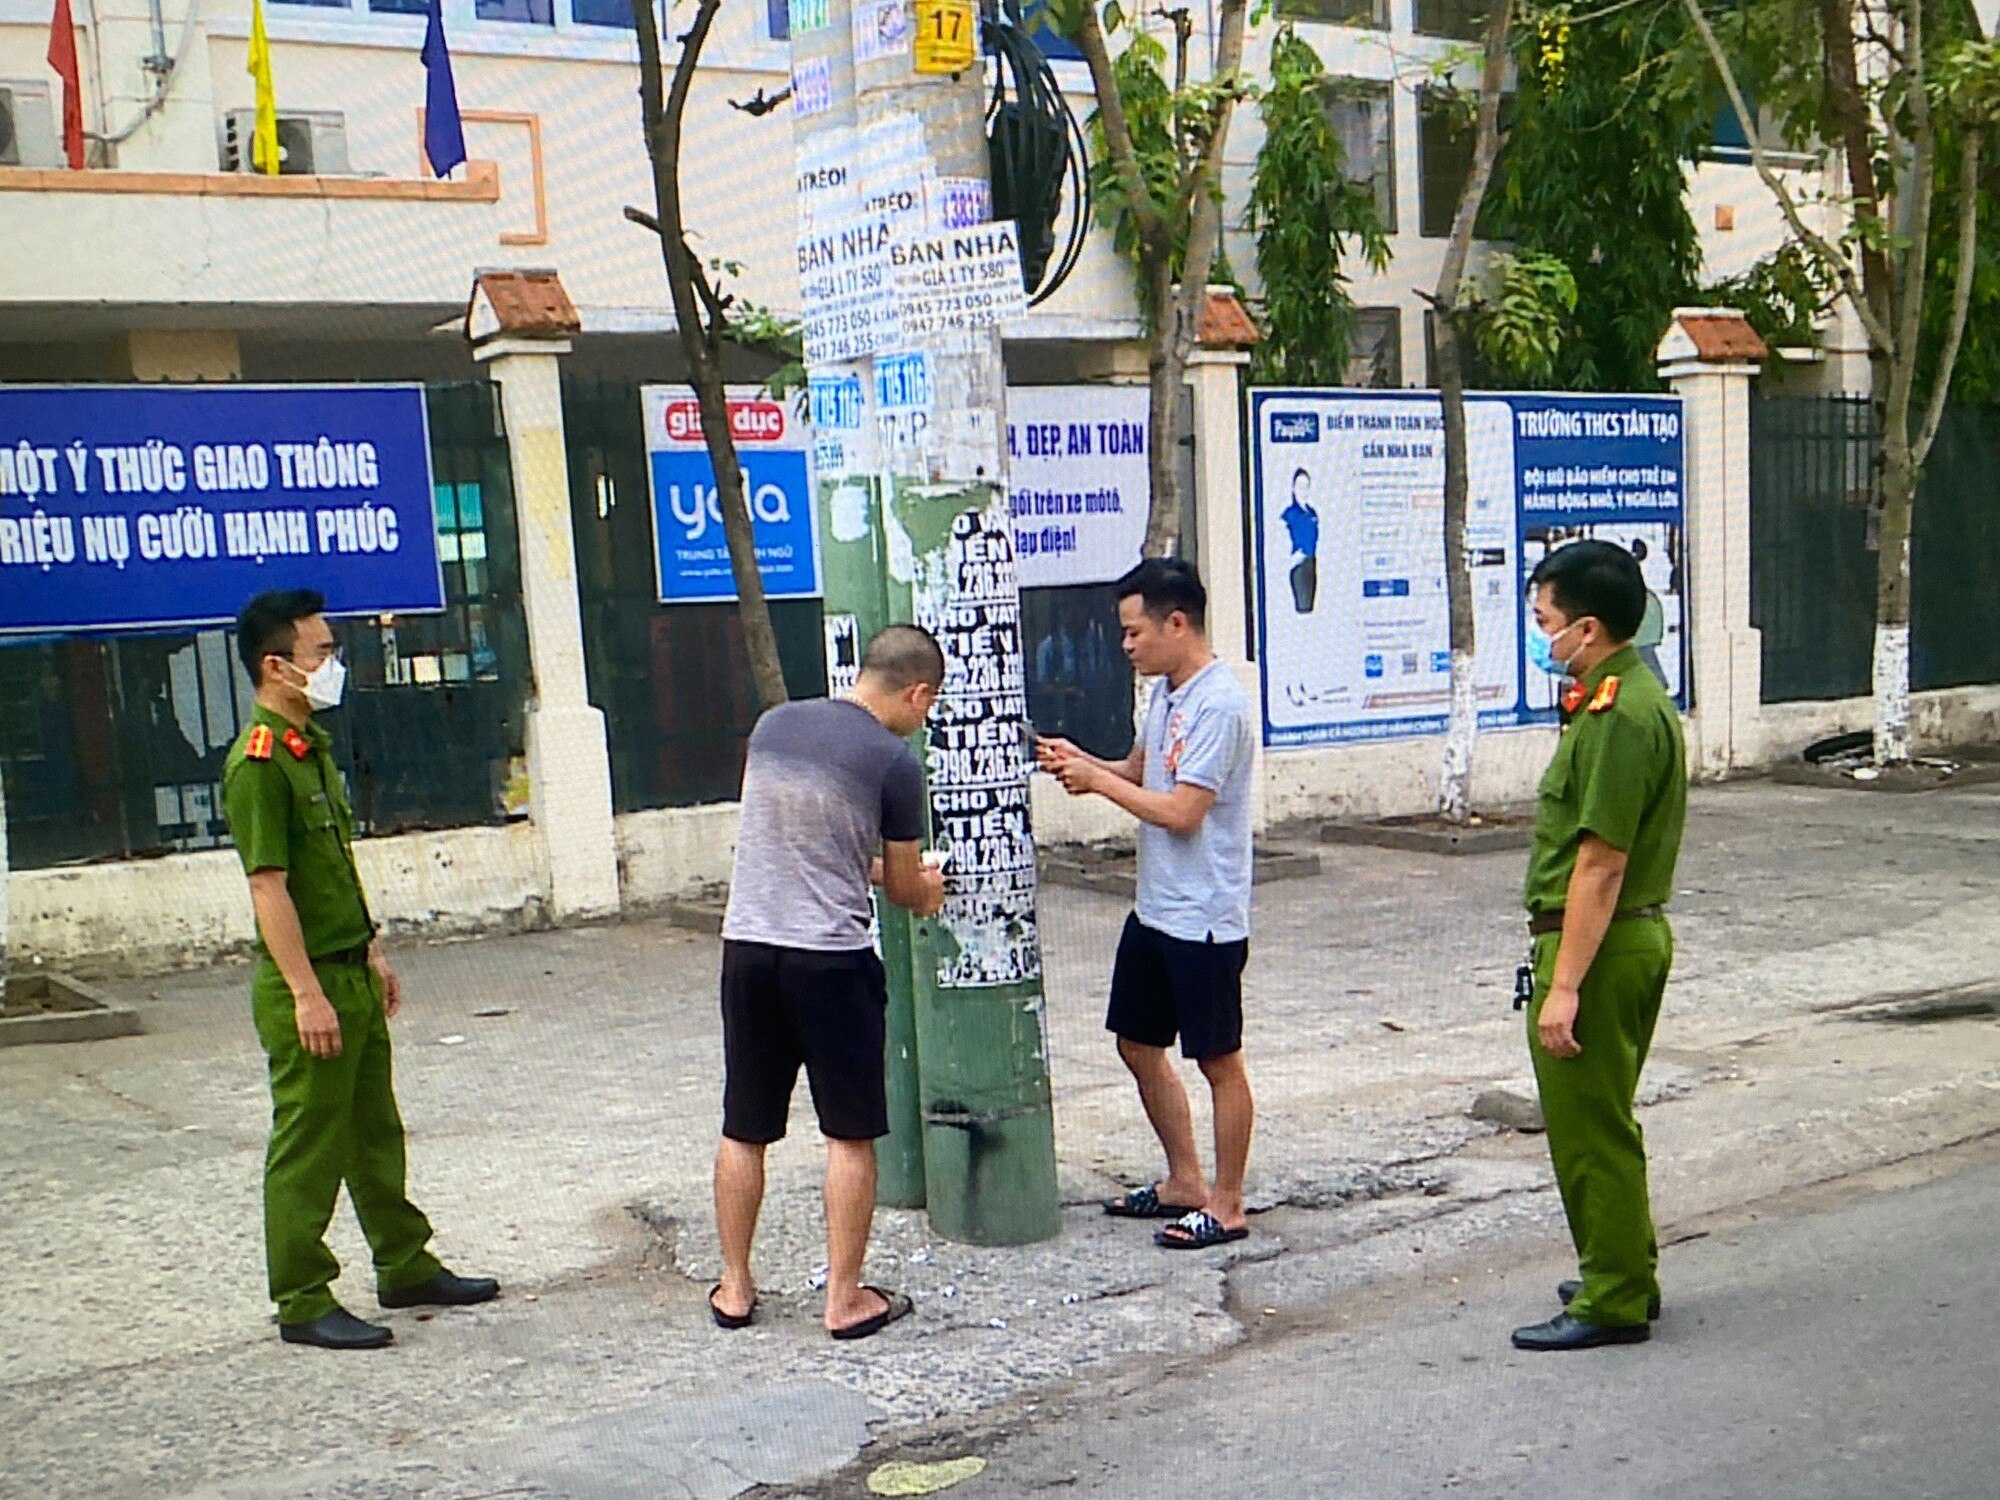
1843	1341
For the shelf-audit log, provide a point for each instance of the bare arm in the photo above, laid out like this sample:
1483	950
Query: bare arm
278	921
1594	887
909	882
1178	811
1051	754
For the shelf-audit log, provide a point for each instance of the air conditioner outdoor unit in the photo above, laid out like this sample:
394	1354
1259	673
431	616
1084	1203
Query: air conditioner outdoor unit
27	125
311	143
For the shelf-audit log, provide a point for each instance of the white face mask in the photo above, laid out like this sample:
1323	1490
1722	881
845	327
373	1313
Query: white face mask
325	684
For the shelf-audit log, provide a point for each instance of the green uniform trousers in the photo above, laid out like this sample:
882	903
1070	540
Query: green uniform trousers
333	1120
1595	1142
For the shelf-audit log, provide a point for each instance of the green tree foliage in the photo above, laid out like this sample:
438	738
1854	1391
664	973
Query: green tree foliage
1304	210
1522	313
1968	74
1609	112
1783	295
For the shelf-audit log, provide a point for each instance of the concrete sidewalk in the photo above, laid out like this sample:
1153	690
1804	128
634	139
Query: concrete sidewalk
562	1090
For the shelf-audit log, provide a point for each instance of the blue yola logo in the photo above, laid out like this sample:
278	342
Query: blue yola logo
1294	427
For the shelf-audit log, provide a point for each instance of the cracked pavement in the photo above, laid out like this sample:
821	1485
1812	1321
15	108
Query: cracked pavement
564	1146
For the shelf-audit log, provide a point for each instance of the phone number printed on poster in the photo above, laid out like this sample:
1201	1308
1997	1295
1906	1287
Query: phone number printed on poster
979	763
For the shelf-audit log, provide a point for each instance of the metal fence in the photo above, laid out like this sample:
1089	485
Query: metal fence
672	680
113	746
1814	484
1955	555
1813	481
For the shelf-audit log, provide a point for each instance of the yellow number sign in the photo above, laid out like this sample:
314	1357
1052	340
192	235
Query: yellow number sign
947	38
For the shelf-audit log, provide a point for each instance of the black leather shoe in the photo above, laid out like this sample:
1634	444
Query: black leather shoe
1562	1332
443	1290
339	1329
1566	1293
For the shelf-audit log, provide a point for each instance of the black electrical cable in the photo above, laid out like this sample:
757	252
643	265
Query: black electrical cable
1038	154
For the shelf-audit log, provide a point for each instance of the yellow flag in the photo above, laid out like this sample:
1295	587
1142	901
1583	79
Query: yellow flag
264	141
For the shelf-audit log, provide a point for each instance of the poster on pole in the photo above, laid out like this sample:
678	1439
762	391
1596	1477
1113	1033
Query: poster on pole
1353	619
1077	476
163	507
774	446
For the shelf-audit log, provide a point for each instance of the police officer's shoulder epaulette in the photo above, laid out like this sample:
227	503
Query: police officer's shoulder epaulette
1605	696
260	743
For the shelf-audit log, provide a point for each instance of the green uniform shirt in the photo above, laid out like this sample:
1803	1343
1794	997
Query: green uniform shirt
1620	772
289	812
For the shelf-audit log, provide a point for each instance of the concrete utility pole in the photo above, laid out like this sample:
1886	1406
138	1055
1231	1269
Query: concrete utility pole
904	283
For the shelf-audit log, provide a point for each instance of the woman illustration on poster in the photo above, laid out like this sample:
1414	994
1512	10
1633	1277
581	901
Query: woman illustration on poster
1302	525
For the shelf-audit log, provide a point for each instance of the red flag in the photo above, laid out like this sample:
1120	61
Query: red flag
62	57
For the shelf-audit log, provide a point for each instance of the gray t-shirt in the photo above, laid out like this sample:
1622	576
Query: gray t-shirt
1196	886
824	787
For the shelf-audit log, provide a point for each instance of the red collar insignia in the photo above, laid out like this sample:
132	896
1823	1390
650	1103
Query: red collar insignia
1573	695
297	744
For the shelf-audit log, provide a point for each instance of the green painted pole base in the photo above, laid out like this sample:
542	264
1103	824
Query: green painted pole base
989	1129
899	1156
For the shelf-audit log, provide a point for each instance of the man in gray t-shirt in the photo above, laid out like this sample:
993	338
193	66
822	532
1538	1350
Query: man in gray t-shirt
1179	970
833	800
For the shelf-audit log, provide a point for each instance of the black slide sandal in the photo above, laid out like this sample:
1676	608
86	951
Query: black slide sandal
897	1307
730	1321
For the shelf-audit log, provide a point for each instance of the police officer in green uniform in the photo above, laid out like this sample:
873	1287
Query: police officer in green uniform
1607	835
323	995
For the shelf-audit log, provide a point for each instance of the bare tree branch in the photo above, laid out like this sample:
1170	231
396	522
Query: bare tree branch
663	111
1118	130
1961	294
1825	252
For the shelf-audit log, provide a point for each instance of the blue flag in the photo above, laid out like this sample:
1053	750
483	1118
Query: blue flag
444	136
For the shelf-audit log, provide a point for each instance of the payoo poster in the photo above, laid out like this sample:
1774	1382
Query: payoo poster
1353	620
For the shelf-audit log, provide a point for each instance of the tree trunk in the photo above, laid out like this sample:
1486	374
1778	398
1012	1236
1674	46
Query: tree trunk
700	317
1462	723
1165	371
1891	676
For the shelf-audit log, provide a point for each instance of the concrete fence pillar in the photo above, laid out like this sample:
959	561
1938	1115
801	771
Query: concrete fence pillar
519	325
1709	357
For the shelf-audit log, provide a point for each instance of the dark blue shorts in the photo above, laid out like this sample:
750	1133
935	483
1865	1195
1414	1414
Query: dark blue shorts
1165	986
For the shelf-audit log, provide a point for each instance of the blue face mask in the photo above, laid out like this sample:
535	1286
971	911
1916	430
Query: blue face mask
1542	649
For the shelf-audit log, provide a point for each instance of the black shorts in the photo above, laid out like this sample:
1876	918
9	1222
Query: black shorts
1163	985
785	1006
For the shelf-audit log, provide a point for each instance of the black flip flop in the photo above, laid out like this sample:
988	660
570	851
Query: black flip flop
1141	1203
1199	1230
730	1321
896	1307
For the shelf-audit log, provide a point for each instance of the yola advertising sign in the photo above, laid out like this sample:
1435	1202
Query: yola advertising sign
773	445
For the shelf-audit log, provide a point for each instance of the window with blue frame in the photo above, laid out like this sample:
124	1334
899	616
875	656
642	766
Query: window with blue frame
778	14
602	13
524	12
399	7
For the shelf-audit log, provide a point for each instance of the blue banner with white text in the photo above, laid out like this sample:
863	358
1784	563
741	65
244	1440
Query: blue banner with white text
164	507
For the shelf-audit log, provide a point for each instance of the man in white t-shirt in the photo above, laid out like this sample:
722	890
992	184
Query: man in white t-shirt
1179	970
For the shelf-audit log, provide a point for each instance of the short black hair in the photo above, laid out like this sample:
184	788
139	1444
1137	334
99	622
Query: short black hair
901	656
268	625
1595	578
1167	584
